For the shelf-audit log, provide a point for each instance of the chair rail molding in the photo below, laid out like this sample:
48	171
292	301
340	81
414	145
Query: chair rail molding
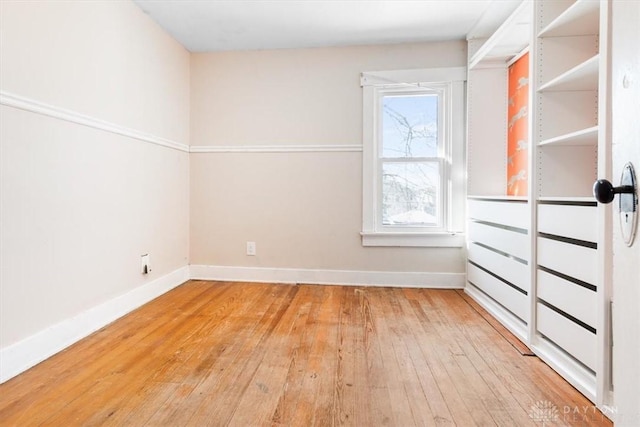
37	107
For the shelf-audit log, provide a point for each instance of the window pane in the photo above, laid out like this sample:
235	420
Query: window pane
410	126
410	193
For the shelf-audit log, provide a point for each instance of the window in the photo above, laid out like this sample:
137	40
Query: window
413	170
410	159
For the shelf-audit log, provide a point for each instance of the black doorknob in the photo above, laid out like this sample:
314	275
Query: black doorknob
604	191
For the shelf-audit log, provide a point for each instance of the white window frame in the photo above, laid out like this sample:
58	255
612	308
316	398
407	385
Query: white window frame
450	83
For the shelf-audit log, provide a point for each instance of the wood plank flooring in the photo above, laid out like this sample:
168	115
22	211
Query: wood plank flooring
238	354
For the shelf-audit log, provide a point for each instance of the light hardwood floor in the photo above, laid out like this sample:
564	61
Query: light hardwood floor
217	353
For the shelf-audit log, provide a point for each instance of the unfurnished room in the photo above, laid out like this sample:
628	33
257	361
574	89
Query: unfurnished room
319	212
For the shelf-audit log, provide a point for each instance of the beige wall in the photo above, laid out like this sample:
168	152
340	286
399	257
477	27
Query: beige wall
295	96
302	209
80	205
103	58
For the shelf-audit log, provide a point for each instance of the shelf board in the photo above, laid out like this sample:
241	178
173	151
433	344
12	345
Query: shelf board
500	198
587	136
510	39
581	18
583	76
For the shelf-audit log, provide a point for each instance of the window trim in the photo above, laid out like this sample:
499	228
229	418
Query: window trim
453	198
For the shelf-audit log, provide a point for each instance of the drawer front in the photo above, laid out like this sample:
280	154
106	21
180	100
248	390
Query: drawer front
576	261
512	214
511	299
510	242
576	222
573	338
508	268
569	297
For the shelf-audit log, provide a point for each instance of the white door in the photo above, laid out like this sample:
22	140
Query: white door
625	127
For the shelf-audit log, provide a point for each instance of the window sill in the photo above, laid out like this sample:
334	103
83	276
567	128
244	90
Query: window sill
423	240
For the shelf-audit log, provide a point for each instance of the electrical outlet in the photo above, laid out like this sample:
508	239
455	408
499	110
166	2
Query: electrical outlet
145	264
251	248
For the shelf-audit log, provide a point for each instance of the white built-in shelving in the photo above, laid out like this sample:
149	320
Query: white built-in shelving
588	136
511	38
487	99
541	274
569	330
499	235
567	78
581	17
583	76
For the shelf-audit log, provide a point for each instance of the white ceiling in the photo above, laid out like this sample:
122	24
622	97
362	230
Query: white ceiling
214	25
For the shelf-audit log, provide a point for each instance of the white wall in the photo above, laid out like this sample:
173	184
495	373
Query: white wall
79	205
303	209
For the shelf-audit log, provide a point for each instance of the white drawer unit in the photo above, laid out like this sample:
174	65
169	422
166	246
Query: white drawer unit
499	253
567	235
514	300
508	241
504	212
567	278
576	340
577	220
579	262
577	300
512	270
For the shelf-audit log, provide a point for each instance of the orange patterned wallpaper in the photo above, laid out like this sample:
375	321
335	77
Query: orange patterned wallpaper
518	129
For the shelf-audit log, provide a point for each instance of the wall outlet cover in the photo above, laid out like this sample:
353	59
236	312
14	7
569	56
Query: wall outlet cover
251	248
145	264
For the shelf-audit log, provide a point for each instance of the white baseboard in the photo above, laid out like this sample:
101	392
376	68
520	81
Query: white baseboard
506	318
329	277
24	354
32	350
573	372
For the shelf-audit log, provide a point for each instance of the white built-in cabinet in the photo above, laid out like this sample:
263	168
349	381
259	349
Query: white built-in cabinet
540	263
